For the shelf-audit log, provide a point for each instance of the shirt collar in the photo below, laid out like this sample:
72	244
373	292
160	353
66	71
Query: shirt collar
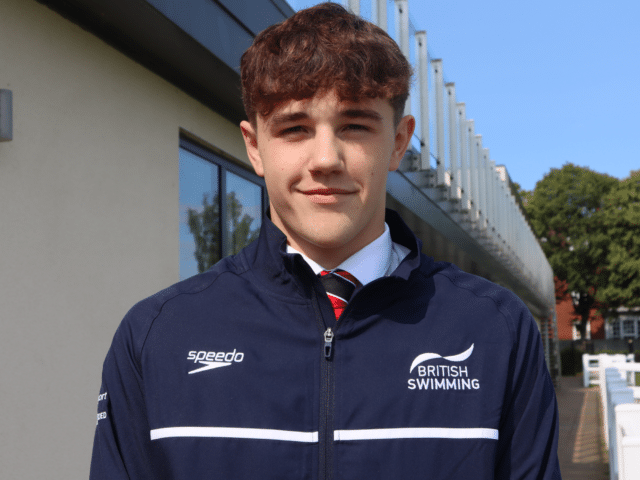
367	264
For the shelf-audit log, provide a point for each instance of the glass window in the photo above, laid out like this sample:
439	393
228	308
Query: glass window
615	328
244	212
628	328
203	210
200	245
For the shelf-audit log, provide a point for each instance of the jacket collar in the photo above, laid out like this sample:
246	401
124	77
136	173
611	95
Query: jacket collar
290	275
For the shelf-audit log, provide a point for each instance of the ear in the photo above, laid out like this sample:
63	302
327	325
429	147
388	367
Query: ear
404	132
250	137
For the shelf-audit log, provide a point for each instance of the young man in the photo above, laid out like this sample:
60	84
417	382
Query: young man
251	371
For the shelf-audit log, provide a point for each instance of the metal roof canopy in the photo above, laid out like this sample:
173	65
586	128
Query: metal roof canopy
400	188
185	43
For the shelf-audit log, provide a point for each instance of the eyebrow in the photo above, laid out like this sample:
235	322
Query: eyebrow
280	118
351	113
361	113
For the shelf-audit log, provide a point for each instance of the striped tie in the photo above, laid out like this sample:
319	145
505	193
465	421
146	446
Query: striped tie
339	286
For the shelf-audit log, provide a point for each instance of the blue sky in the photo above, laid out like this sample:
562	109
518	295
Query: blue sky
547	82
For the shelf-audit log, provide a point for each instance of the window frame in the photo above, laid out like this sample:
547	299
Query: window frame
628	321
226	163
616	328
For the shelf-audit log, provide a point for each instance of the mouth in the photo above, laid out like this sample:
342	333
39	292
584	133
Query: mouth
327	191
327	196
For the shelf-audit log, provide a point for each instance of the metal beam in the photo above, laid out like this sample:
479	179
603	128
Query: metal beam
454	170
439	93
380	6
423	84
402	32
465	173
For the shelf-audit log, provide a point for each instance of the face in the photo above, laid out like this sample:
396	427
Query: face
325	164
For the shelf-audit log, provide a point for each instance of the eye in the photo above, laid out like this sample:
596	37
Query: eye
296	129
356	130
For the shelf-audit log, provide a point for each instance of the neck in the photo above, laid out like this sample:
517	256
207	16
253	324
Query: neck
327	258
338	244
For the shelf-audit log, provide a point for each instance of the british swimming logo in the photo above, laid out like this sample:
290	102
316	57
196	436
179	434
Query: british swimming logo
442	376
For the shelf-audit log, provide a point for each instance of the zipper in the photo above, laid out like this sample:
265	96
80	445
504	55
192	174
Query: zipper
327	408
328	343
325	427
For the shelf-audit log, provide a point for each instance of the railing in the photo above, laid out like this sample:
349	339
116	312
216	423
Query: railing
628	440
591	365
453	167
620	401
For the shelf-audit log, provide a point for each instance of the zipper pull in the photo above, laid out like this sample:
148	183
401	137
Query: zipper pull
328	343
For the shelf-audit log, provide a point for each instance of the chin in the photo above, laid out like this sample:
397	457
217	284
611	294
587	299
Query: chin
321	236
328	243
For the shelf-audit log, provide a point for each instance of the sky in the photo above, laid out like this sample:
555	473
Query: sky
546	82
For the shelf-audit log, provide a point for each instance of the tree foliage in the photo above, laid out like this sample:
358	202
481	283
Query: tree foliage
620	217
205	228
524	195
239	232
564	210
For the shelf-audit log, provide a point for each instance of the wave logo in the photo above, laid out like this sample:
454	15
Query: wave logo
212	360
452	358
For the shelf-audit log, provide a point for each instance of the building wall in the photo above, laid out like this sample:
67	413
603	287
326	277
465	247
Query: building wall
88	224
566	316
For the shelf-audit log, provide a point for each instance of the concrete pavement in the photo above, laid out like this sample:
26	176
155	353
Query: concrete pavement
581	448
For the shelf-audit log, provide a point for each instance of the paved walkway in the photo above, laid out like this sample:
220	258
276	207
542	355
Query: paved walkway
581	448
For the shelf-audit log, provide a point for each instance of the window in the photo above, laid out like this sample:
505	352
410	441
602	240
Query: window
615	328
628	327
214	225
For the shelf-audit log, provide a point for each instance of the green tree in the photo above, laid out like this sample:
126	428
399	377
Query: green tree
564	212
523	196
205	228
239	233
621	217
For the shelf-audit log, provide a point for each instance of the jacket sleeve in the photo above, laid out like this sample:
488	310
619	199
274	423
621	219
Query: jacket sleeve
528	438
122	447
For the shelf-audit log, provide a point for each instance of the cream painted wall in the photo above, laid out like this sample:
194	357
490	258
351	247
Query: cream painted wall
88	224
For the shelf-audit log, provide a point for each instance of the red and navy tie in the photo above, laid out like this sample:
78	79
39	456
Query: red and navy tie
339	285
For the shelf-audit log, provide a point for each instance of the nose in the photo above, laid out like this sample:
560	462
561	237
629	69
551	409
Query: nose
326	155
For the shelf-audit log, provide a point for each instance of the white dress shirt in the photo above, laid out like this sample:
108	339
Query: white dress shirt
378	259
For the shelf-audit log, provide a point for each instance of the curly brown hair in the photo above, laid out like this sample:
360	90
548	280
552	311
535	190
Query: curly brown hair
320	49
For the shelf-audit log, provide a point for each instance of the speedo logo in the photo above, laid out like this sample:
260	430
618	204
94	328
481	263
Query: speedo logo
442	376
212	360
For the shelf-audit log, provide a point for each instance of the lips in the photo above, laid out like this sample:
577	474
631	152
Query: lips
328	196
326	191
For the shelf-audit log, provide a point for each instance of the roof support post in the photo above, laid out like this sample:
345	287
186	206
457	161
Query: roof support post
465	175
500	203
482	184
454	170
423	83
513	218
488	190
493	189
380	6
439	94
474	201
402	32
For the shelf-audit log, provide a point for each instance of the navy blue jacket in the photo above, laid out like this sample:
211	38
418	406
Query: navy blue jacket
242	372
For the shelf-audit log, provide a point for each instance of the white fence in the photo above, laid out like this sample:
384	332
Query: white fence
591	365
621	405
